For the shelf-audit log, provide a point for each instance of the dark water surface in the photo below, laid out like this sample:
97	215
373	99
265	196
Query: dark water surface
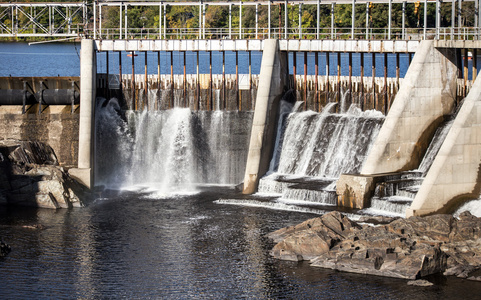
138	246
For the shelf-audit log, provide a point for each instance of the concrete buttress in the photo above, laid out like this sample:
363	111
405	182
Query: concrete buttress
455	173
427	94
271	86
88	73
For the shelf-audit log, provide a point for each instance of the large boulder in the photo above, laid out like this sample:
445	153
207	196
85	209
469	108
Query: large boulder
30	176
311	238
405	248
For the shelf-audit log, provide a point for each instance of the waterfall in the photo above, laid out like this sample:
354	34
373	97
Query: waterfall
285	108
170	151
325	144
434	146
315	149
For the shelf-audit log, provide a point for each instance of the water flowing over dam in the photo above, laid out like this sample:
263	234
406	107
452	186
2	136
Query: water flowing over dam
172	150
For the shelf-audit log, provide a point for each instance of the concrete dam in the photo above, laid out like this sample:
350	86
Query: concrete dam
319	140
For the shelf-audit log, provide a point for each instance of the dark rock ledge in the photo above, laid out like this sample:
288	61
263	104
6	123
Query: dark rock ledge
30	176
404	248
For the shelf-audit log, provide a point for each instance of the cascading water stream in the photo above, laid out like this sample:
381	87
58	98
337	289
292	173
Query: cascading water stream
170	151
316	148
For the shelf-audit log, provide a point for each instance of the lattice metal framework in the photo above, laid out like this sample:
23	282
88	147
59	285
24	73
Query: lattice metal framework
42	19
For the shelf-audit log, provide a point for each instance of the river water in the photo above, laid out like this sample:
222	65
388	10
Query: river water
136	246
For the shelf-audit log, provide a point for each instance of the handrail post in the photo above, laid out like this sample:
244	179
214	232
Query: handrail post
389	20
240	20
368	6
300	20
425	18
353	18
269	19
318	17
286	20
332	19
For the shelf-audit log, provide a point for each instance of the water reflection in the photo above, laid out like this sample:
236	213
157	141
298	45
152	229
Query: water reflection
135	246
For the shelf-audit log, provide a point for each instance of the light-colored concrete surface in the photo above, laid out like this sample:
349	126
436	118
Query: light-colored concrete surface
427	93
271	86
354	191
392	46
455	173
88	72
84	176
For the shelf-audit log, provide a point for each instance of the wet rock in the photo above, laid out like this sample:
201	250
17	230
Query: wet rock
33	153
420	282
311	238
376	220
31	177
405	248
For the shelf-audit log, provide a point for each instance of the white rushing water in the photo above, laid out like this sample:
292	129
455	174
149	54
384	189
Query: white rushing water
169	151
314	149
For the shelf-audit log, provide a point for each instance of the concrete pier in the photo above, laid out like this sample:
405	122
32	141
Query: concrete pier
427	94
88	72
455	173
271	86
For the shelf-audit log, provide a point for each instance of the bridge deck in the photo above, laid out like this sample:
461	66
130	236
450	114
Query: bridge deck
392	46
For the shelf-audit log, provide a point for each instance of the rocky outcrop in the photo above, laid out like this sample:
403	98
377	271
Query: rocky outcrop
311	238
30	176
405	248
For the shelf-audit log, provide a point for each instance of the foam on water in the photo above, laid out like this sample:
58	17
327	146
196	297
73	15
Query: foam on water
473	206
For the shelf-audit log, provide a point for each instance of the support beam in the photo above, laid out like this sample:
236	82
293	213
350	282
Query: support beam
88	76
271	85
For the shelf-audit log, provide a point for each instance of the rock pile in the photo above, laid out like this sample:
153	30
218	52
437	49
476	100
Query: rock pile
30	176
405	248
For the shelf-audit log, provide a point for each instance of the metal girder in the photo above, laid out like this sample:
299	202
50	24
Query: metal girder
14	12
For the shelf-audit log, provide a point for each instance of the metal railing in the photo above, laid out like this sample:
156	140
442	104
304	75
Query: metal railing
57	19
445	33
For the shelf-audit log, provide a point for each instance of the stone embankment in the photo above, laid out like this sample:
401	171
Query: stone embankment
403	248
30	176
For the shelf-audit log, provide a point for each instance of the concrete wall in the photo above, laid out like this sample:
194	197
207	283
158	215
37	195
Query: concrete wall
427	93
271	86
455	173
56	126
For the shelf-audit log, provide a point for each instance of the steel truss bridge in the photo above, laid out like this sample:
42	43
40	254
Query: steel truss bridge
82	19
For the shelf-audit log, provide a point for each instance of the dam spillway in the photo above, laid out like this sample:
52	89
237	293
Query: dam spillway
170	150
226	92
